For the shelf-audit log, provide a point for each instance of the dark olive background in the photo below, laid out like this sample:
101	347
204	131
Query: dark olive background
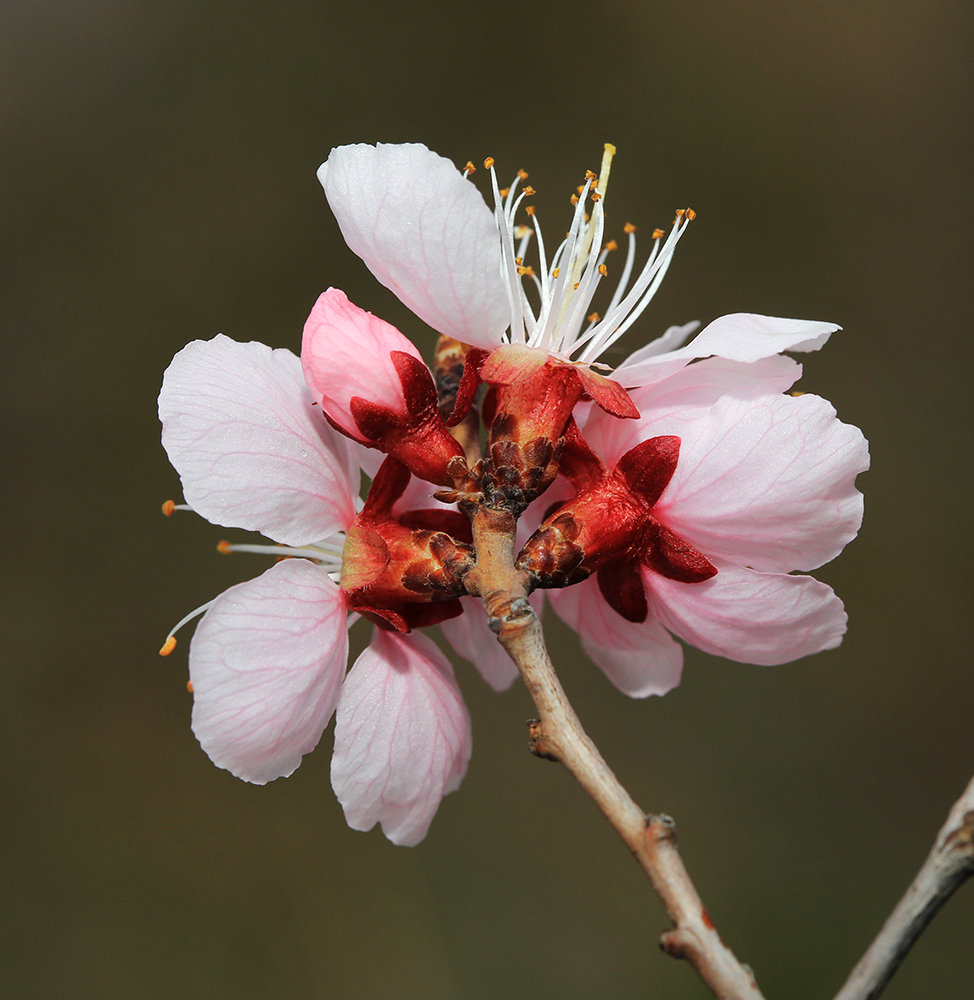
157	165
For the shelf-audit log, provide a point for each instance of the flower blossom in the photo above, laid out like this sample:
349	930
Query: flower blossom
746	485
268	659
424	231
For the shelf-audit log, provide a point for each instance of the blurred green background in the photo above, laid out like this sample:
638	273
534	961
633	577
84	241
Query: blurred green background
157	165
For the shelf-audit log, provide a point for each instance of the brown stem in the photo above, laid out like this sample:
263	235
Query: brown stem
558	735
949	864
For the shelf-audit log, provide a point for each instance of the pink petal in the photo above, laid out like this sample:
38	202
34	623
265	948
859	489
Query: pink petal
266	663
402	737
751	617
685	396
640	659
743	337
346	353
425	232
768	483
473	640
764	479
251	449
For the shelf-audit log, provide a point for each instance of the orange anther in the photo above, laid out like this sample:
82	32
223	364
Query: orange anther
594	318
168	646
680	212
574	199
470	168
530	209
658	234
528	190
603	270
595	195
526	271
168	507
590	176
691	215
523	174
504	192
488	163
611	245
556	272
224	547
189	686
628	228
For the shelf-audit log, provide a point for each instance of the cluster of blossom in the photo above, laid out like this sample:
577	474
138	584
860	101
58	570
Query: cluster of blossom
676	495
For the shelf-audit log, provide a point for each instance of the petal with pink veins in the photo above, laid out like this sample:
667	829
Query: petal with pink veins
251	449
751	617
425	232
765	480
402	737
266	664
639	659
745	337
346	353
767	483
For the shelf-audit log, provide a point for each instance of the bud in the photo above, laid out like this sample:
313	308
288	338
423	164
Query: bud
373	386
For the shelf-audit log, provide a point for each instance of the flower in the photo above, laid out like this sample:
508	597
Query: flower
760	485
267	661
421	227
423	230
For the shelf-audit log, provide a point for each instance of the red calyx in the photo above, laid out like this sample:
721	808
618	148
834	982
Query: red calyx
392	567
419	439
609	528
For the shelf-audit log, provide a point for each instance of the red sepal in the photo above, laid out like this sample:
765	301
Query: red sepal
579	464
607	393
621	584
469	383
648	468
675	558
410	616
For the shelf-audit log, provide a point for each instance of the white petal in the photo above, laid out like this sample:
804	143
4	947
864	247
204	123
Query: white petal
266	663
473	640
425	232
251	449
751	617
744	337
639	658
402	737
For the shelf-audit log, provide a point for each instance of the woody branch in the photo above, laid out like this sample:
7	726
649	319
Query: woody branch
558	735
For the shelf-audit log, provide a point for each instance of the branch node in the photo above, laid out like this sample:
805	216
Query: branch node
540	745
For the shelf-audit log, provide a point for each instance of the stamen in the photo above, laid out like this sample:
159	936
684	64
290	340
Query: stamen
469	169
170	644
170	505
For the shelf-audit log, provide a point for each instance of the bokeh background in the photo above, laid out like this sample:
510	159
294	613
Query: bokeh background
157	164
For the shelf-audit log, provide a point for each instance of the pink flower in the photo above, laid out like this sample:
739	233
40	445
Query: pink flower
267	662
424	231
763	486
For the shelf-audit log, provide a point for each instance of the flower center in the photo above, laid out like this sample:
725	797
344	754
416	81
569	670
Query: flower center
565	287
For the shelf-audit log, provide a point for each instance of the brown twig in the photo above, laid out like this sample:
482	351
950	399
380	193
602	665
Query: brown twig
949	864
558	735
